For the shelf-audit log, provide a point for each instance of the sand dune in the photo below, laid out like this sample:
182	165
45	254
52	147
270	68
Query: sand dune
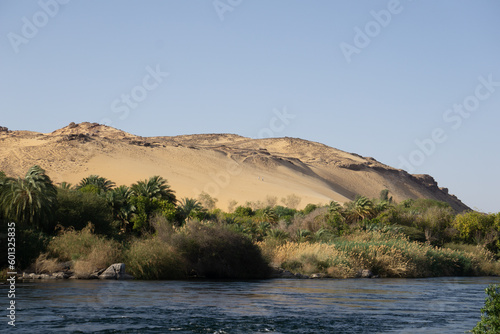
228	167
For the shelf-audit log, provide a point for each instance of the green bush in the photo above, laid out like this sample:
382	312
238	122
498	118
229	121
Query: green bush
76	209
309	208
152	258
490	313
29	245
218	252
243	211
474	226
73	245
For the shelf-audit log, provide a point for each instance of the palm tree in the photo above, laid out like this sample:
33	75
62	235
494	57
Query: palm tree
119	200
268	215
363	207
65	185
155	187
334	208
31	200
189	206
96	182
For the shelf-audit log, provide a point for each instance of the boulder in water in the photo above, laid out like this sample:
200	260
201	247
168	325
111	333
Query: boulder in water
115	271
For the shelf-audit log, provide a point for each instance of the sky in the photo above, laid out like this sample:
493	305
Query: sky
414	84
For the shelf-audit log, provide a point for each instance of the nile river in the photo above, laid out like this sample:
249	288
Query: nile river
435	305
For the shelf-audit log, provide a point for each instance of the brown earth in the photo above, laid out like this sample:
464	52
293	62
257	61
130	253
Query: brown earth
228	167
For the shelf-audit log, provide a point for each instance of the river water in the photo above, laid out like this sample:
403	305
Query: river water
433	305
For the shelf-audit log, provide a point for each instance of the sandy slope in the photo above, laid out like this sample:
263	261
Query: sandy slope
228	167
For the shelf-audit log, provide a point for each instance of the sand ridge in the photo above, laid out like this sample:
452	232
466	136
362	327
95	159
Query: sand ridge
227	166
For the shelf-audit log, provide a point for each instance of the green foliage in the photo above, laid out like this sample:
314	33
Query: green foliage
146	207
422	204
77	209
155	187
309	208
284	213
168	210
384	196
218	252
490	313
29	244
30	201
267	215
90	189
243	211
96	184
434	222
191	208
122	208
474	226
65	185
278	234
413	233
71	245
152	258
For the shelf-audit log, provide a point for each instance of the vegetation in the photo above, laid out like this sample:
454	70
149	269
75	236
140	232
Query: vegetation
490	313
97	223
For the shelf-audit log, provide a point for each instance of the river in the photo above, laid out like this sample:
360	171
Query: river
432	305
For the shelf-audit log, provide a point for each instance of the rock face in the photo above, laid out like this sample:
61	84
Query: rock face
365	273
115	271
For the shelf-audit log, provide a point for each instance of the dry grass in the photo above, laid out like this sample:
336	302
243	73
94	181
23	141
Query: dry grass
45	265
88	251
386	255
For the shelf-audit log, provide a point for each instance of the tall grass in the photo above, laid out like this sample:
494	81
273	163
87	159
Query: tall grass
386	255
154	259
88	252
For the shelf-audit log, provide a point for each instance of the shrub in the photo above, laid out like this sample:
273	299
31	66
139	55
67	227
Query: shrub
44	265
434	222
385	254
291	201
284	213
474	227
152	258
207	201
309	208
77	209
490	313
29	245
95	252
243	211
218	252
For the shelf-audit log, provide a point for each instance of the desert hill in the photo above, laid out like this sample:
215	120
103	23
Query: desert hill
227	166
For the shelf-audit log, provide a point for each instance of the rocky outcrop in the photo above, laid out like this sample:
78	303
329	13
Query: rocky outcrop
115	271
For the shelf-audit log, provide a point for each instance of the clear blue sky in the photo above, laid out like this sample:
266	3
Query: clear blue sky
370	77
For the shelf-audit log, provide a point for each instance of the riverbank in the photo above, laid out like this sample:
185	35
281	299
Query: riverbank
203	253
